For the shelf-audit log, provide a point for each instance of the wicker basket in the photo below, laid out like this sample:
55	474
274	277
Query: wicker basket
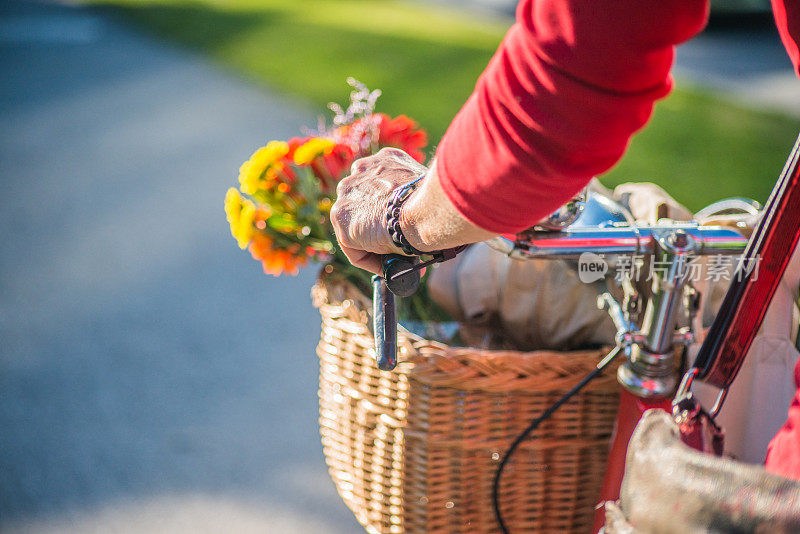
415	450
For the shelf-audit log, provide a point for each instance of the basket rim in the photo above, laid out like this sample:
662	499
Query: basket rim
359	309
467	368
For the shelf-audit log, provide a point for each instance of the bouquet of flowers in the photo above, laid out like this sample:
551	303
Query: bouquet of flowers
281	210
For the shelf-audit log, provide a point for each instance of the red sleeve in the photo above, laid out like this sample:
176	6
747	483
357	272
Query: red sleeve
569	85
787	18
783	453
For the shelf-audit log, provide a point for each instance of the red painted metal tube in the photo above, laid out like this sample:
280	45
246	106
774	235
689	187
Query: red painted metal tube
745	304
630	411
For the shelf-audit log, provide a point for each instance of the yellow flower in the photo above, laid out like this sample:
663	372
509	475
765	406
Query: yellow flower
316	146
264	160
241	213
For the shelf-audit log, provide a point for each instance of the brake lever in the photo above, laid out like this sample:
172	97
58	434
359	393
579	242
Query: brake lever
403	272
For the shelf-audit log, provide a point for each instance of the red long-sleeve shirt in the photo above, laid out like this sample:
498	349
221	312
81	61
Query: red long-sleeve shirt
572	81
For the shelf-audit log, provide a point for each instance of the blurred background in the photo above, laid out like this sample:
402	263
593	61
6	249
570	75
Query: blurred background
152	378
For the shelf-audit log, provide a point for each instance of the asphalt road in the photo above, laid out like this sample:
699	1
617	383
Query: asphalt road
152	378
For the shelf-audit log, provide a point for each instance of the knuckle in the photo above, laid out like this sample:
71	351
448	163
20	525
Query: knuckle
365	161
360	165
390	151
394	154
342	188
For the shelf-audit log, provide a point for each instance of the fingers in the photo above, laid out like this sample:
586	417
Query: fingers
369	261
336	219
363	260
343	187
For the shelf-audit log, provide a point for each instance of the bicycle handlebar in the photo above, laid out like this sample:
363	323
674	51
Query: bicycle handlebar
603	229
688	237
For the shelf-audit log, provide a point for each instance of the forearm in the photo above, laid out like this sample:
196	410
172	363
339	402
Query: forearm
430	221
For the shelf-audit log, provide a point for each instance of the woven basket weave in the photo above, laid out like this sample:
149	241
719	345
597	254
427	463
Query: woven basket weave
416	449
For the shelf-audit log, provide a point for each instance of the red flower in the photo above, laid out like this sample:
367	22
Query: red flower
339	160
403	133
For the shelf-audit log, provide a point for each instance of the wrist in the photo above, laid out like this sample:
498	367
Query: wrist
396	224
430	222
411	219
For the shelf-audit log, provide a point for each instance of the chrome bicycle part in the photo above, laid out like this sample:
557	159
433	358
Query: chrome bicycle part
607	230
727	205
617	241
650	370
565	215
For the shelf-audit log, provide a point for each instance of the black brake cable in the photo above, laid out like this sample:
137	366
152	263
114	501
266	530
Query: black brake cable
535	424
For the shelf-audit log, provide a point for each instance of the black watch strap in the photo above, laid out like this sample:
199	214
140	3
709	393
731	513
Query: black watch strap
393	217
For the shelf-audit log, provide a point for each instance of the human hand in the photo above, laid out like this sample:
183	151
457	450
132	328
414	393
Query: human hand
359	213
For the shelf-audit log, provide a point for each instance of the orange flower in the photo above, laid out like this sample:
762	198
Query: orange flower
261	216
294	143
333	166
275	261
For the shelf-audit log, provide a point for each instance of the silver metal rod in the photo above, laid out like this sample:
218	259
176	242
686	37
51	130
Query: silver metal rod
658	323
617	240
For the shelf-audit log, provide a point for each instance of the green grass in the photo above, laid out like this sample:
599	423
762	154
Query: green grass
700	149
426	61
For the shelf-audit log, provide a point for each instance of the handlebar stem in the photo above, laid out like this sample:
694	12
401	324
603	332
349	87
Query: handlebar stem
650	370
